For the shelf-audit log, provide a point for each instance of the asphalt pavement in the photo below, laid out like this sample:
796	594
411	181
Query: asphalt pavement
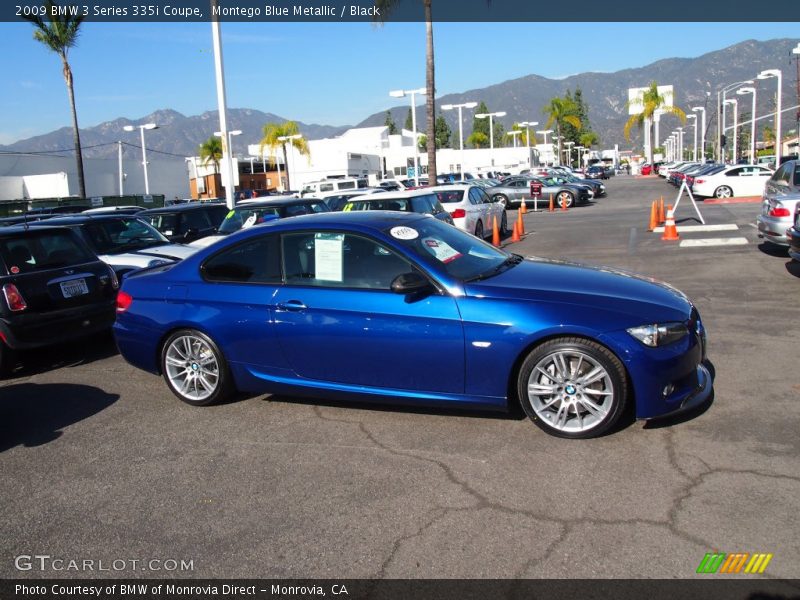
98	461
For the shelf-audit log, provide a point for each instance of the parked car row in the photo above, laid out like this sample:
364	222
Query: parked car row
779	207
707	180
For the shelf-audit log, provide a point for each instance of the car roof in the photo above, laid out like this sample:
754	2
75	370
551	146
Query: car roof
378	220
452	187
181	208
266	203
82	218
399	194
13	230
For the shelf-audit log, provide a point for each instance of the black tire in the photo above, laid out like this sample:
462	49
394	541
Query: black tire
479	230
607	398
565	197
194	368
8	360
503	225
723	191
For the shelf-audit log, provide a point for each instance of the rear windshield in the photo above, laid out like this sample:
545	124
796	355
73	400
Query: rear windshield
450	196
378	204
114	236
38	250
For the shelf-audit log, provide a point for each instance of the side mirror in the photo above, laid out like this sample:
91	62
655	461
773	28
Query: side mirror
410	283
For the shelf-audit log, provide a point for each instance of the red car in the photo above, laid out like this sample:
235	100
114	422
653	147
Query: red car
647	169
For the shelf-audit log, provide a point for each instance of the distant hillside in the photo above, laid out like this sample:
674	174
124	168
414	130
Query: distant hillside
177	134
522	99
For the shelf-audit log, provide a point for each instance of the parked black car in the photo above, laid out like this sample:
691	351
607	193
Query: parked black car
184	223
597	172
54	289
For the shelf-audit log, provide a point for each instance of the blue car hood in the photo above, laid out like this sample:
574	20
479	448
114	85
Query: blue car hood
563	282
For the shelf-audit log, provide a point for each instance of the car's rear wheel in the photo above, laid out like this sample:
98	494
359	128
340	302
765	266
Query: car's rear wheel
573	388
479	230
565	199
194	368
500	198
723	191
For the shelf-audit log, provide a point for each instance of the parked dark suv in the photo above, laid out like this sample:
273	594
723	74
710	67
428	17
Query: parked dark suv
53	289
184	223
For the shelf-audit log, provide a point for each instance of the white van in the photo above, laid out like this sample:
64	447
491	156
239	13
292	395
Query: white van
315	188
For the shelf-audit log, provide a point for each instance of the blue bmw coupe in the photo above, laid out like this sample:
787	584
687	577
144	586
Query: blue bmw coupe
402	308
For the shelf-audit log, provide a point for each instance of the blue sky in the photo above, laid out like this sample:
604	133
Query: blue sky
328	73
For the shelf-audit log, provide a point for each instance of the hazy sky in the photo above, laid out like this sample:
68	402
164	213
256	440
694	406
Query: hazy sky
329	73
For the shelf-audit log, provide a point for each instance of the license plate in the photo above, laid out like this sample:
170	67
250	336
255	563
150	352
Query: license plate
76	287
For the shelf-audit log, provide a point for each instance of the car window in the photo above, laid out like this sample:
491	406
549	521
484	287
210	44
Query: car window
422	204
782	174
483	196
340	260
253	261
34	251
378	204
733	172
474	196
121	235
326	187
450	196
796	180
247	217
166	223
195	219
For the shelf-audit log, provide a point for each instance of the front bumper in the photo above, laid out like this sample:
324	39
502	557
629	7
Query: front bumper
773	229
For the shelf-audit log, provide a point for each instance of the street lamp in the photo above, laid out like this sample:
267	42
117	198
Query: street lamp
679	130
514	133
768	74
283	139
721	108
579	155
702	110
144	151
413	94
694	147
491	124
527	125
742	92
460	129
544	133
569	146
735	103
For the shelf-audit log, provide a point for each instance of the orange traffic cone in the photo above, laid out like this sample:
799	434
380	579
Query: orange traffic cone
653	216
515	236
564	205
521	223
524	207
661	215
670	230
552	207
495	234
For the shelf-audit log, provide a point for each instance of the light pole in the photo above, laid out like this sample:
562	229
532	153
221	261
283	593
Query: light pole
735	103
527	125
144	150
796	52
569	146
283	139
491	124
768	74
694	146
222	105
579	155
514	133
460	130
702	110
413	94
721	109
229	162
742	92
680	141
119	166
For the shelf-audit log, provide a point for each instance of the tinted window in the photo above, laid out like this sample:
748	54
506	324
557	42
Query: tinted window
195	219
450	196
422	204
483	196
246	217
34	251
378	204
474	196
255	261
121	235
326	187
166	223
310	208
340	260
347	185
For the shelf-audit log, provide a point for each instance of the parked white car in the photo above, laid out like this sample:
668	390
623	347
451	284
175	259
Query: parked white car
735	180
472	209
776	218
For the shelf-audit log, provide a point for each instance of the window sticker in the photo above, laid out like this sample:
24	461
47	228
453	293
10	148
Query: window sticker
440	250
230	214
328	256
168	232
404	233
251	220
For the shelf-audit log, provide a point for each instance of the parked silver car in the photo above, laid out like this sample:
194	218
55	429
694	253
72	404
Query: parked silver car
514	189
781	198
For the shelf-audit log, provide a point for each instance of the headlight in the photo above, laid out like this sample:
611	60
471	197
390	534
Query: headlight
659	334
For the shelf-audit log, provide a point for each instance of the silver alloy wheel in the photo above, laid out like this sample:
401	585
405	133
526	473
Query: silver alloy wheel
192	367
570	391
723	192
565	198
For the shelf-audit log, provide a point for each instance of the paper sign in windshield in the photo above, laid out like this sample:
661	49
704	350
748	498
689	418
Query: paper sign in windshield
441	250
328	256
251	220
404	233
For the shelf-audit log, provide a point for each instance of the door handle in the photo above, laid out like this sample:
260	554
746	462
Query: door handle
292	305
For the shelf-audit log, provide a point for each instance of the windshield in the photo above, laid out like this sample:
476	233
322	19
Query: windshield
247	217
378	204
121	235
461	254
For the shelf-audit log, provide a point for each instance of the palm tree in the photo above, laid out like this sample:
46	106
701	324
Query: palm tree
650	102
589	139
270	140
478	139
560	111
384	8
211	152
59	33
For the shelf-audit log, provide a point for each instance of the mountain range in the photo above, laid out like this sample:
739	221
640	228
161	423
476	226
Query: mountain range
695	81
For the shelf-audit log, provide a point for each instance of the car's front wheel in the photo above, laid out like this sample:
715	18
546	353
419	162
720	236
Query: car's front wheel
479	230
194	368
723	191
573	388
565	199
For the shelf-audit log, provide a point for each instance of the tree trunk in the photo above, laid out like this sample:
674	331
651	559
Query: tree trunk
76	136
558	133
430	97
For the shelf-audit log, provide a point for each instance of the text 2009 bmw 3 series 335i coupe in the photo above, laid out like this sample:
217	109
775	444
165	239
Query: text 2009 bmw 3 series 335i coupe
401	308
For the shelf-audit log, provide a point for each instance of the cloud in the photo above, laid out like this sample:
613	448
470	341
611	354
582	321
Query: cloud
30	85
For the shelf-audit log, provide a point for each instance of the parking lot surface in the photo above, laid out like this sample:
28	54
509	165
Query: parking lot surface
99	461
